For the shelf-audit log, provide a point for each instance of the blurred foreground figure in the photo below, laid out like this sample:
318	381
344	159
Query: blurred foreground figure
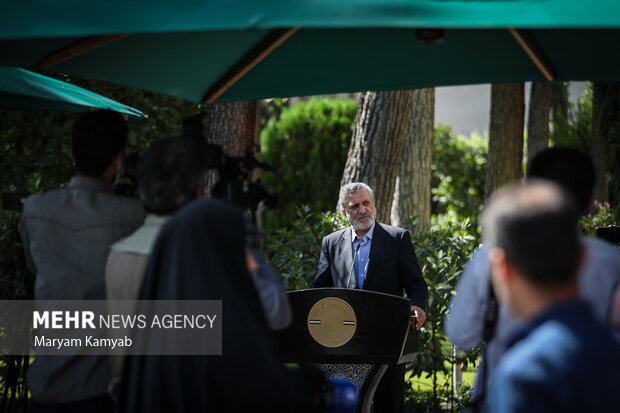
200	255
562	359
67	235
474	315
170	174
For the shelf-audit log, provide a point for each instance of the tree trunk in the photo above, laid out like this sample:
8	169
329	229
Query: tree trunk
538	118
413	183
599	155
505	136
377	143
559	105
235	127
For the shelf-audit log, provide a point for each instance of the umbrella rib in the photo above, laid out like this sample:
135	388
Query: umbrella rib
79	48
533	52
254	57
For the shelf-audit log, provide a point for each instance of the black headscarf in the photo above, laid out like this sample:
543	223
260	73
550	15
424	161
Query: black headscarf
200	255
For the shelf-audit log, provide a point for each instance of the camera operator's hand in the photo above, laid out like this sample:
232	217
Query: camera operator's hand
418	315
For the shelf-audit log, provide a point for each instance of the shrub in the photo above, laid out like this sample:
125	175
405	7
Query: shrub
423	401
308	146
576	131
458	174
601	215
294	251
442	253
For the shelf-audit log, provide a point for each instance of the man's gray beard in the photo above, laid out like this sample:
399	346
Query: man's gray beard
360	225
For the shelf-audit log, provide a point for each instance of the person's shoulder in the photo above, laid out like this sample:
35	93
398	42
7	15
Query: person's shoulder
121	209
136	243
539	361
571	330
601	259
390	229
536	361
37	204
480	257
121	202
543	349
142	240
129	203
336	234
599	248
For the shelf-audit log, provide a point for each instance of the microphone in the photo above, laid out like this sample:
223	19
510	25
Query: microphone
357	248
343	396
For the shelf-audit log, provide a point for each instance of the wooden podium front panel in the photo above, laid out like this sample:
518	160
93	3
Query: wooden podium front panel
381	322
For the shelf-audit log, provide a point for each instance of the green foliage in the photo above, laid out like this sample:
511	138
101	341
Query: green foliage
294	250
13	278
308	146
601	215
458	173
609	131
271	110
440	398
613	165
576	131
442	253
460	225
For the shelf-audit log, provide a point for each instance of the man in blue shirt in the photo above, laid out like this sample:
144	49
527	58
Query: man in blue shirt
373	256
563	359
370	255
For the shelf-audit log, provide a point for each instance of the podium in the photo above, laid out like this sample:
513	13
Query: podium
364	329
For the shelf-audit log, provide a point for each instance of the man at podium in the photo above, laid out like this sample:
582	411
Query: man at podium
373	256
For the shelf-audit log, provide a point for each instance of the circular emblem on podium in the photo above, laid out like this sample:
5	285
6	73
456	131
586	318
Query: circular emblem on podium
332	322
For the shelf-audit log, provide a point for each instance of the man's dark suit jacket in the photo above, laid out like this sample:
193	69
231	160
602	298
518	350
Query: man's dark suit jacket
393	265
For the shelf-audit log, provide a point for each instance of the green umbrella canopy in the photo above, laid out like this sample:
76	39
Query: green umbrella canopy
243	49
23	89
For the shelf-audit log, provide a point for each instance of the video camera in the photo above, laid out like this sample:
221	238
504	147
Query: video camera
234	184
14	201
127	183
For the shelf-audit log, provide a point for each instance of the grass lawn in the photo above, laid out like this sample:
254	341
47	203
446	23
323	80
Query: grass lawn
424	383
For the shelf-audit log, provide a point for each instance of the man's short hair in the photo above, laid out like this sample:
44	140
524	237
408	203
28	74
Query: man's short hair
352	188
98	137
169	173
536	226
569	168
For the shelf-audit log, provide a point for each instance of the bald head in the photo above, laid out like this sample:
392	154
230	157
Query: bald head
535	225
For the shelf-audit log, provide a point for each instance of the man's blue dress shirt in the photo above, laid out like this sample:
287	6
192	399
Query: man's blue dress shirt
362	257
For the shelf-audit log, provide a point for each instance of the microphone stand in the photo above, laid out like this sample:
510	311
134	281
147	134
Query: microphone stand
357	248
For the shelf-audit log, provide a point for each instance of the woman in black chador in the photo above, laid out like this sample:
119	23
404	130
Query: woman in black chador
200	255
